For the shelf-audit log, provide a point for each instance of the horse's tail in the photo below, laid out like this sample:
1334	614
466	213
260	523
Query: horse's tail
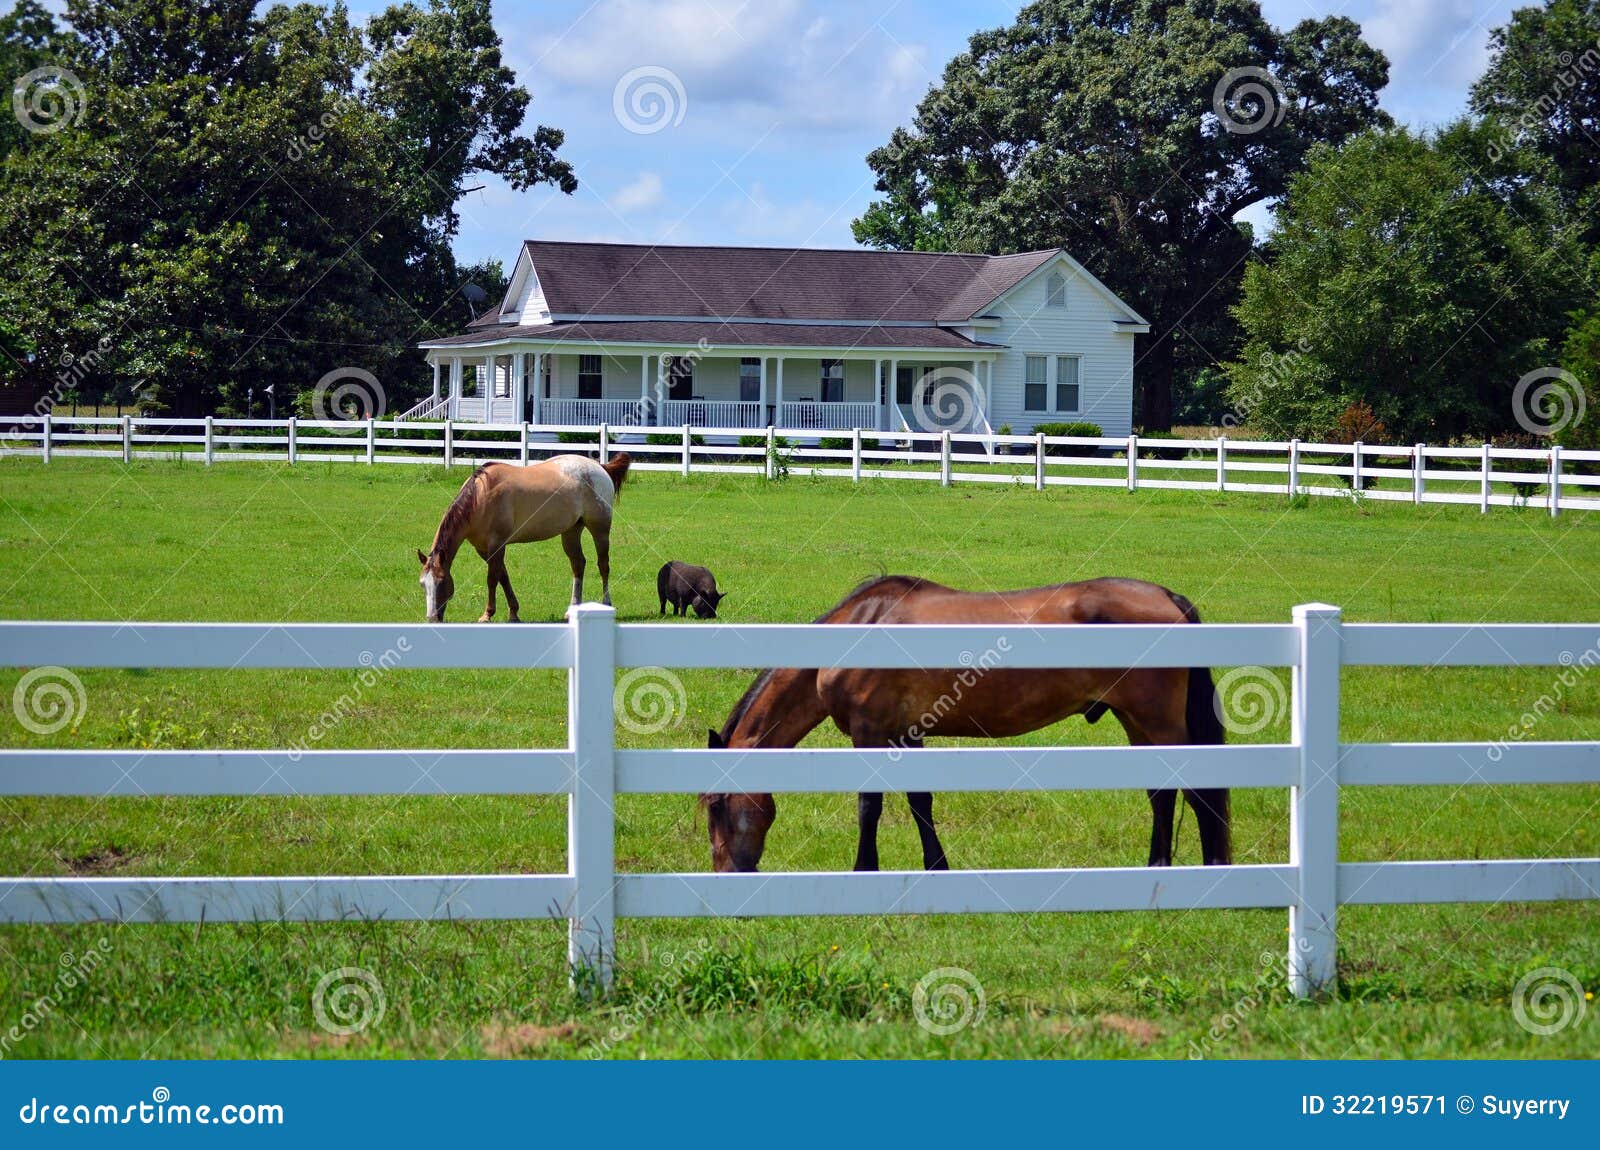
617	467
1200	711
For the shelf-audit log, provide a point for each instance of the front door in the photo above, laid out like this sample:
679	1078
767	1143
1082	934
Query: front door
680	378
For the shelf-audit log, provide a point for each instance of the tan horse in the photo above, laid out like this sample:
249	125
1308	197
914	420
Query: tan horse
899	708
501	504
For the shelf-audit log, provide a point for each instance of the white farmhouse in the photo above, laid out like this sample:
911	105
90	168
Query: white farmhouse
728	337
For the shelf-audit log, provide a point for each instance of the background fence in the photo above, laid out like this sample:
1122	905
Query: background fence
591	771
1480	475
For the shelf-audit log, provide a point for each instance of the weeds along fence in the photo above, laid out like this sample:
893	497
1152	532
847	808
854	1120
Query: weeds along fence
1551	477
1315	767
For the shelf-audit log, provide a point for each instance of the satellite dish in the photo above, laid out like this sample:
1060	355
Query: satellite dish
475	294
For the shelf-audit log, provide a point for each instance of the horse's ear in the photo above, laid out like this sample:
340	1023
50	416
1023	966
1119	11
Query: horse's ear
421	558
715	741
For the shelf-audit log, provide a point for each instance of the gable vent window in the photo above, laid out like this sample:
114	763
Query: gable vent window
590	377
832	381
1034	388
1055	290
1067	383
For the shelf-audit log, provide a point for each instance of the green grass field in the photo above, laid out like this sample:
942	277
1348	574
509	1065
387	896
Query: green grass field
249	541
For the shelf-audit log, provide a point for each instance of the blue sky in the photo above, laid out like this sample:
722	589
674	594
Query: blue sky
763	138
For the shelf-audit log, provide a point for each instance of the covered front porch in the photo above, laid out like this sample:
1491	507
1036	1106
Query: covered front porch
735	388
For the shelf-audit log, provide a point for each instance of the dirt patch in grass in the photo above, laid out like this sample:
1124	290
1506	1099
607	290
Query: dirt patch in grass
101	860
512	1040
1137	1030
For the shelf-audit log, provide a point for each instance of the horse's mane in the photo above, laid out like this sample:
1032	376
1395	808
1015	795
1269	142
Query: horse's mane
461	509
902	584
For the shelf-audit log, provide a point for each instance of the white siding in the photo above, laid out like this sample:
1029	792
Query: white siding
1083	328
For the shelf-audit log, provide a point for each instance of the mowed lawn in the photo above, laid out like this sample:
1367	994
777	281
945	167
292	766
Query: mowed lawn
249	541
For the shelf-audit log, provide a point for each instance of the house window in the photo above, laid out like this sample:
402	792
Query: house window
832	379
590	377
750	379
904	381
680	377
1034	389
1067	383
1055	290
548	360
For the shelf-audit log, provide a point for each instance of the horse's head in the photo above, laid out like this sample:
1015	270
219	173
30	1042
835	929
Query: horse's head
705	604
436	585
738	825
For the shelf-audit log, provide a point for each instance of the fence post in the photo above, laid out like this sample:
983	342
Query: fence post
127	439
1555	480
211	442
1314	802
855	455
1483	494
44	438
1418	464
772	451
1038	461
944	458
1294	467
1222	463
372	439
525	430
605	443
591	826
292	448
1355	468
1133	462
687	454
449	442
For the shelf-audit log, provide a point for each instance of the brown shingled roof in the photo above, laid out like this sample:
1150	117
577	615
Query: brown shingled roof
689	333
593	279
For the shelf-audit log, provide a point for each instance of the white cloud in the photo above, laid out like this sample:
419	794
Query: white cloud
772	60
644	192
1438	42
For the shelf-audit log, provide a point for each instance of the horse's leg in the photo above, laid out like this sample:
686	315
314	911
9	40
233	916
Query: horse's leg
572	544
491	560
505	582
869	808
602	557
1210	806
922	812
1163	803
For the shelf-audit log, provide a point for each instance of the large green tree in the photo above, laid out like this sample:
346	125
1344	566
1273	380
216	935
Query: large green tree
1542	88
259	196
1133	133
1420	276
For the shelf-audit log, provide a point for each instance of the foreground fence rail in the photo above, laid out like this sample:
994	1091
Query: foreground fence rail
1481	475
591	770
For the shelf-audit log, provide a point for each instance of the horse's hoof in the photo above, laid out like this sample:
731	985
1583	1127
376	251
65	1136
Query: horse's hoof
486	618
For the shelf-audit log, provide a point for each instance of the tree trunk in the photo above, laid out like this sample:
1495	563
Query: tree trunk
1153	369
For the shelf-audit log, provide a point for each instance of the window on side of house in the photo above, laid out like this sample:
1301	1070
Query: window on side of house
1067	394
591	377
1035	392
750	379
1055	290
831	379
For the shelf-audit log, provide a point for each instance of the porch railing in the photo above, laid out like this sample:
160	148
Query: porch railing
623	412
710	413
813	416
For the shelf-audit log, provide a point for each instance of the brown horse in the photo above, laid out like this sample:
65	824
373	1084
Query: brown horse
882	708
501	504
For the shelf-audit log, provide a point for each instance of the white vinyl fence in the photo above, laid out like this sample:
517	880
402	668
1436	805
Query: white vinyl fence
1482	475
1312	883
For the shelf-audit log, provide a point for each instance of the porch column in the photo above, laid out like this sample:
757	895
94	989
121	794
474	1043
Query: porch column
777	405
435	366
519	385
878	393
486	387
538	383
646	412
890	395
761	411
977	398
457	370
